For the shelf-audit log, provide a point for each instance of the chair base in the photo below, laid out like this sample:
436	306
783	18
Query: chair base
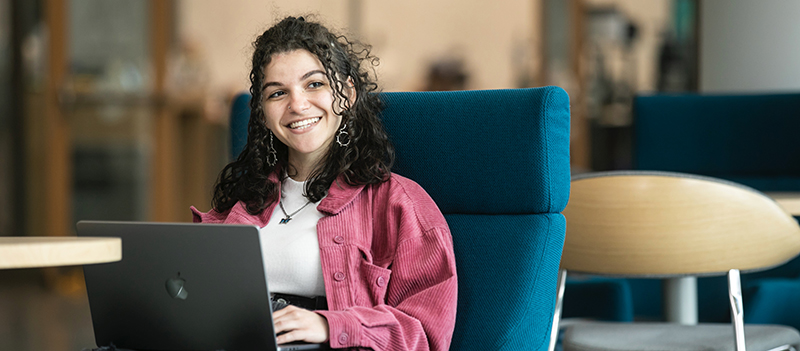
602	336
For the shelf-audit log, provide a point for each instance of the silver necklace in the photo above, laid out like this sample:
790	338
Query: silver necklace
289	216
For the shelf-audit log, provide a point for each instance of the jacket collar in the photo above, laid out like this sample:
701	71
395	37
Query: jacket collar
340	195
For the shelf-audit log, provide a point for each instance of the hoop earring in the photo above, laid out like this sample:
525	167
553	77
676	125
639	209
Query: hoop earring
343	134
272	155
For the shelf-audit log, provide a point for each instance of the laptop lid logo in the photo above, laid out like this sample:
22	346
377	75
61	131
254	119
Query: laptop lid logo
175	287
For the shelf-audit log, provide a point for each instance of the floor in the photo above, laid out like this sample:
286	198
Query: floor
44	309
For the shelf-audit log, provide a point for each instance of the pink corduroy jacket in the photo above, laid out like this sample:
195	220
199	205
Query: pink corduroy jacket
387	261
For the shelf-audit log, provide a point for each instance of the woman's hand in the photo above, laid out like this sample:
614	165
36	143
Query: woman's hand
299	324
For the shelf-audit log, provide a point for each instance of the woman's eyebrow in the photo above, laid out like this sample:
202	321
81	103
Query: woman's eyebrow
269	84
311	73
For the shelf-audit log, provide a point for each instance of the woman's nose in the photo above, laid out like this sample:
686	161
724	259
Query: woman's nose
299	102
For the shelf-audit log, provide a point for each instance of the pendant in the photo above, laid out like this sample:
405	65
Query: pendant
285	220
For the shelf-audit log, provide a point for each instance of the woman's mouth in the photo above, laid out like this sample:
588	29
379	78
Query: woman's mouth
304	123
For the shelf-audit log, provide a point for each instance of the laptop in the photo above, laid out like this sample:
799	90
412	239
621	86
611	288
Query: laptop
182	286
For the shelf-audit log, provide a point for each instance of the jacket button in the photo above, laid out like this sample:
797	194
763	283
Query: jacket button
338	276
381	282
338	239
342	338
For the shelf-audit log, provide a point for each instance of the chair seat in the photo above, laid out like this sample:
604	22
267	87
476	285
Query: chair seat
667	336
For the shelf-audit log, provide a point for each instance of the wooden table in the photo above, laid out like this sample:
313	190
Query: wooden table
30	251
790	201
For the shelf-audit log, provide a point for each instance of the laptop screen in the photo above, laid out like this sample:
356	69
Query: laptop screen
180	286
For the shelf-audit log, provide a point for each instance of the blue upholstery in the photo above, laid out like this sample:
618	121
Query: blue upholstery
598	298
748	139
488	141
497	164
240	115
773	301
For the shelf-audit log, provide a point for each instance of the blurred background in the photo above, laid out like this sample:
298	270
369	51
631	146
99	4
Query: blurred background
118	109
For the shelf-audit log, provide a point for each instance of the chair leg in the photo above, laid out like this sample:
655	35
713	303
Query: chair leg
737	308
562	282
680	300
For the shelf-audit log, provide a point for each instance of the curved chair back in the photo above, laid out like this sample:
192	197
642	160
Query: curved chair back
745	138
497	164
673	225
669	224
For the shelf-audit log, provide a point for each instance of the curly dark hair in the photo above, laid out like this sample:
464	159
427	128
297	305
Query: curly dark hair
366	159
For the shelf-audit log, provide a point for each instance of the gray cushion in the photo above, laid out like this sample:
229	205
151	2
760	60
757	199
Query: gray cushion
665	336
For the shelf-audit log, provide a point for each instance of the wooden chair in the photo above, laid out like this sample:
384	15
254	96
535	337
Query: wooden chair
659	225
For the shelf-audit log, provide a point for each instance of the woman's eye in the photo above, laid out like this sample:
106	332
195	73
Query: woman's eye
275	94
315	85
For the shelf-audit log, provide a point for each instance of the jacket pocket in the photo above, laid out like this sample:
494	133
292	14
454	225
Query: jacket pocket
375	279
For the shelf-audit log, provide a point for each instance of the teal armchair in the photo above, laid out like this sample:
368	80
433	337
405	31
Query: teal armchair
497	164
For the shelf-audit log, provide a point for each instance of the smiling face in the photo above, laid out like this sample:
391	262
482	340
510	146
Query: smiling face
297	104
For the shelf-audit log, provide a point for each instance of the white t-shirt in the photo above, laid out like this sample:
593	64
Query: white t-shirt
291	250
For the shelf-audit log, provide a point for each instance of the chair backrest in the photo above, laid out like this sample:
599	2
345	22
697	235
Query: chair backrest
659	224
240	116
497	164
748	139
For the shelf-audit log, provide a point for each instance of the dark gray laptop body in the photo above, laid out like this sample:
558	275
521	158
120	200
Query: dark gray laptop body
137	303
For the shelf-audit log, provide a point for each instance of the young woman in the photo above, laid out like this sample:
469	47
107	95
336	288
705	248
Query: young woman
337	226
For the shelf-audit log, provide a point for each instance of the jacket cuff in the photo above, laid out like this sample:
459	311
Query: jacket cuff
344	328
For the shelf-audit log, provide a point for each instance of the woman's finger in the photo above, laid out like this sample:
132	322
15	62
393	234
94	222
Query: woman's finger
285	321
294	335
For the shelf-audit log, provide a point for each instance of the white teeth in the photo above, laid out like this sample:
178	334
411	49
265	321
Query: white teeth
304	123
